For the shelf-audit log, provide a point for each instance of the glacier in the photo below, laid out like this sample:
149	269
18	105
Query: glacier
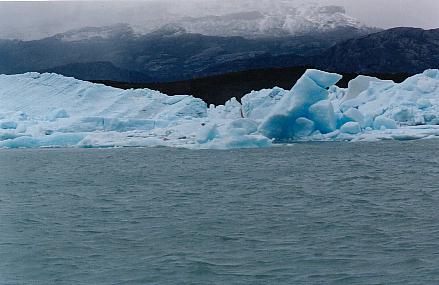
50	110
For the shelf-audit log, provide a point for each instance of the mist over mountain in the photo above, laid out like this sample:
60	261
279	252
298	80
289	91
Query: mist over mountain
193	47
260	36
29	20
288	21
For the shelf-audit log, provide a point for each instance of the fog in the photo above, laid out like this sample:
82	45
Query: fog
33	20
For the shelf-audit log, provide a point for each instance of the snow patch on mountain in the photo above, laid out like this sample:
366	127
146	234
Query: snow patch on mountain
89	33
278	20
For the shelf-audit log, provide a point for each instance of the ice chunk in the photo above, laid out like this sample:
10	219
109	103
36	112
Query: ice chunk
61	140
358	85
403	114
8	125
231	141
172	109
248	126
232	109
309	89
59	114
246	141
432	73
55	140
322	113
323	79
336	93
426	84
303	127
354	115
9	136
257	104
423	103
91	124
21	142
382	122
208	133
351	128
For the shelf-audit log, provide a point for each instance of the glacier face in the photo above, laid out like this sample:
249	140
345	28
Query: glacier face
50	110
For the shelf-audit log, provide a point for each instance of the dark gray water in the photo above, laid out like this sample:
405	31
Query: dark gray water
330	213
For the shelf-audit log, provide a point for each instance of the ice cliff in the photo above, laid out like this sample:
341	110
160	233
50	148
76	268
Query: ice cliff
50	110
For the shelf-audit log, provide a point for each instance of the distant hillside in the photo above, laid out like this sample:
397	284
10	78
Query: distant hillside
408	50
278	19
169	53
99	71
218	89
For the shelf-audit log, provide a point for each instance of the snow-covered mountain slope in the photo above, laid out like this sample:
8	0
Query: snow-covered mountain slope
50	110
279	19
283	20
88	33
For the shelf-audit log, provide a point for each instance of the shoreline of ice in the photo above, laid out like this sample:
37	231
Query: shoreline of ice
50	110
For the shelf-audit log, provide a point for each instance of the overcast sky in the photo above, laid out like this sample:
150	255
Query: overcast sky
27	20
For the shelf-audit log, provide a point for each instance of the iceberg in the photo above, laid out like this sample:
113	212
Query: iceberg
50	110
309	90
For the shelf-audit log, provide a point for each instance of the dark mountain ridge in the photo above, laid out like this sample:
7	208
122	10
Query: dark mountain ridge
410	50
100	70
169	53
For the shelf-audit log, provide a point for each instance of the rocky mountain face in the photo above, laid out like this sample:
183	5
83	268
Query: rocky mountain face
409	50
169	53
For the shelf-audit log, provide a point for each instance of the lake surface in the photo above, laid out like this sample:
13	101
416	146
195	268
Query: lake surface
315	213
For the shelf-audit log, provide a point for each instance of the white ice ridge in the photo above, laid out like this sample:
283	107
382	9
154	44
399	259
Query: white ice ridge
50	110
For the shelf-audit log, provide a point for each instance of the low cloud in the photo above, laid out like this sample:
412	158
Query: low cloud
32	20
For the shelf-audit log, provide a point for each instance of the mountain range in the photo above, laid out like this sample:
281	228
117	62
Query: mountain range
314	36
168	53
280	21
395	50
